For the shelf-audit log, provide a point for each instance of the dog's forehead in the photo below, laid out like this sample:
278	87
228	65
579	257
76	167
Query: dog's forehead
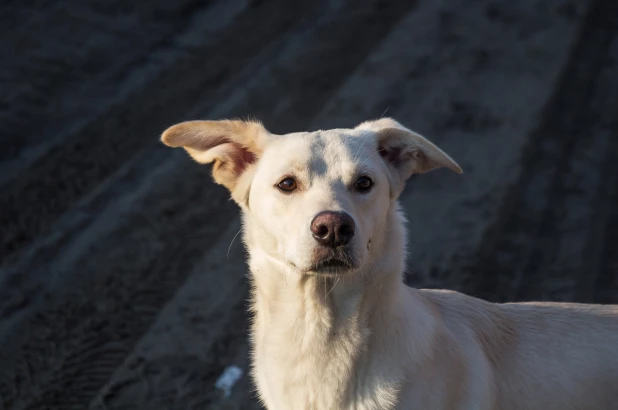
332	151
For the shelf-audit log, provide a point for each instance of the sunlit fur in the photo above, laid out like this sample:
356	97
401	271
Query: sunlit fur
361	339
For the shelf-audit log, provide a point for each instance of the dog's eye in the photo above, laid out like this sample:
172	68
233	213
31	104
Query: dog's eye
364	184
288	184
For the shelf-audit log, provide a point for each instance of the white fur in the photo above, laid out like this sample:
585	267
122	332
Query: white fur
361	339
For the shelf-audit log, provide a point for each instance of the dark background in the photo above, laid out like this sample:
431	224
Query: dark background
119	288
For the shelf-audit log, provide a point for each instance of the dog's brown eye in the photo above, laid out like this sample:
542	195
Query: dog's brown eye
287	185
364	184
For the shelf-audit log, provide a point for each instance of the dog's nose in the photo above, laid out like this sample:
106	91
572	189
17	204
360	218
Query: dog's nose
332	228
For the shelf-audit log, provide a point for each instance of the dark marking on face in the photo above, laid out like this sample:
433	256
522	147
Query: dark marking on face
369	245
318	165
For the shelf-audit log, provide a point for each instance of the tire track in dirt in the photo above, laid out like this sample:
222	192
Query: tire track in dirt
135	269
606	285
65	63
63	350
567	269
598	279
37	196
198	332
523	241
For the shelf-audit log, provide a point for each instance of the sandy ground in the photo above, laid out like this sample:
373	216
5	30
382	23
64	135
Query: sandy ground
121	284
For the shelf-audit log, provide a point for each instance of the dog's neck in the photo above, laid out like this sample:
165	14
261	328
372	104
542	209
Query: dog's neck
311	332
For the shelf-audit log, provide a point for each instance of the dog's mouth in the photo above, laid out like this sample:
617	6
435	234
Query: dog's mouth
333	265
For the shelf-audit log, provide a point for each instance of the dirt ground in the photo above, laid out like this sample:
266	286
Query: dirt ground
122	281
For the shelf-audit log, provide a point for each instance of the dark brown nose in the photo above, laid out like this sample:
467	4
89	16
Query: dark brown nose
332	228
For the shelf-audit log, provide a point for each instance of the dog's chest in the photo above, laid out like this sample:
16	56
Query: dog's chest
317	370
319	376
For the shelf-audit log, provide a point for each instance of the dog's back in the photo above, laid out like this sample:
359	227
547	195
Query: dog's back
541	355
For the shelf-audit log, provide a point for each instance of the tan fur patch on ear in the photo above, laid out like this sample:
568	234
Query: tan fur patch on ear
411	152
232	145
204	135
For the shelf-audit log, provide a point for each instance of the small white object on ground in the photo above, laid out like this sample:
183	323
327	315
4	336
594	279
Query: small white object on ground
228	379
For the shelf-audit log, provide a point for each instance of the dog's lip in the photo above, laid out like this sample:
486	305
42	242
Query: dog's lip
332	265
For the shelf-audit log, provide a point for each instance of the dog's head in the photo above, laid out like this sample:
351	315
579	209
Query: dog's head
317	202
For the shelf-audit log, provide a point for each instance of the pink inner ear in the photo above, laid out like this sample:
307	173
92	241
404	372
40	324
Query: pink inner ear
246	158
390	153
239	156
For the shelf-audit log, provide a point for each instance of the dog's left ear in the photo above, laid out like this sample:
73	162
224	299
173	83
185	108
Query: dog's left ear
406	151
232	145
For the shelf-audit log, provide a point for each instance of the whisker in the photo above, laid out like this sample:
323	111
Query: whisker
384	113
366	135
371	156
230	247
331	289
361	147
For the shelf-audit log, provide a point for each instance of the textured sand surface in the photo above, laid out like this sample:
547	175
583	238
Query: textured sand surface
121	286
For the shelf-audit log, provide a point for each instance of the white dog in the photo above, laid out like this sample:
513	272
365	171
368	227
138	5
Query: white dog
334	325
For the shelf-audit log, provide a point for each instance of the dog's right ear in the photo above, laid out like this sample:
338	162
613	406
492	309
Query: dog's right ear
405	151
232	145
